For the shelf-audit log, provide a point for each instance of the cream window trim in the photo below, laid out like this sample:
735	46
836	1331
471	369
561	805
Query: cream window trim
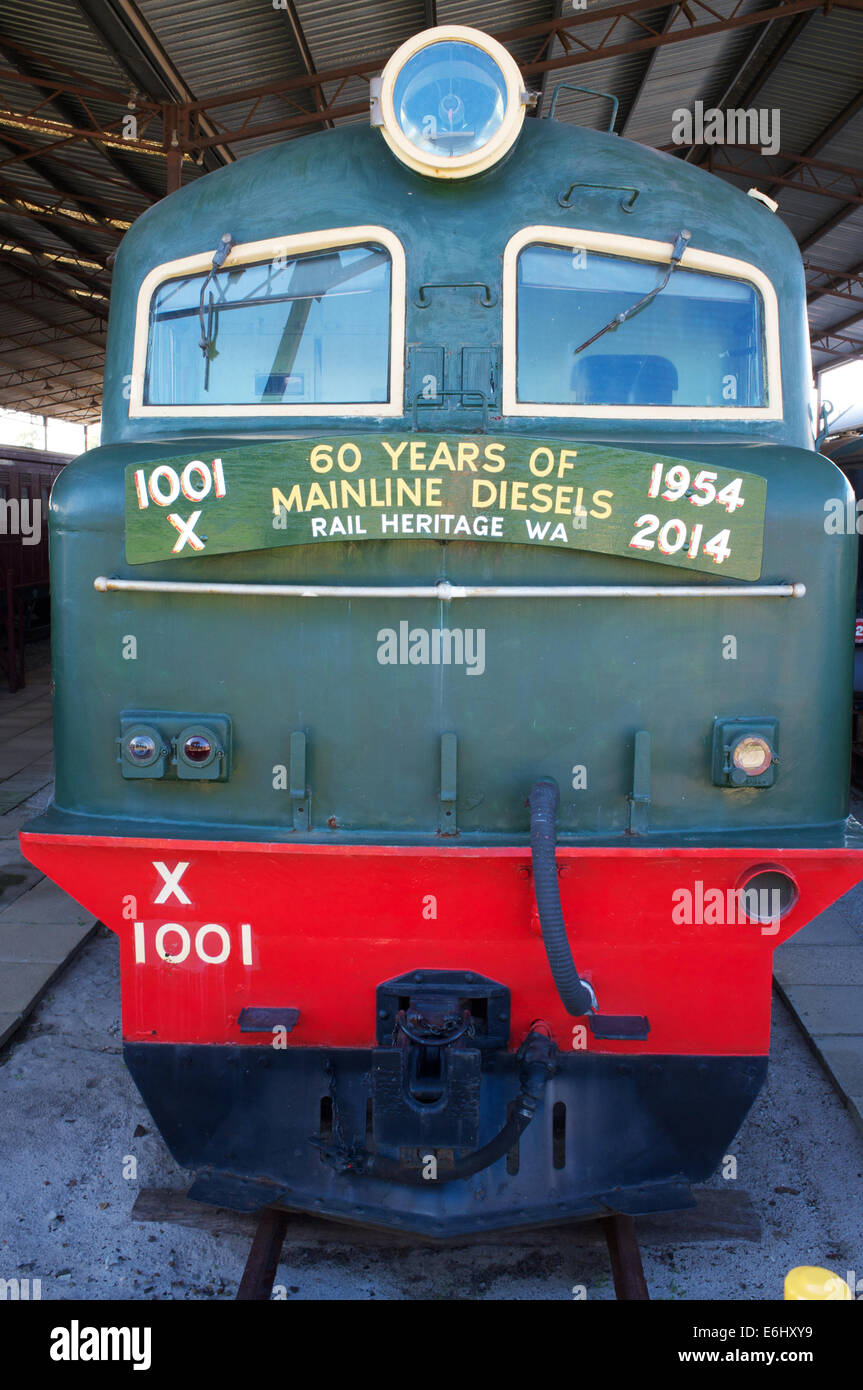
636	248
247	253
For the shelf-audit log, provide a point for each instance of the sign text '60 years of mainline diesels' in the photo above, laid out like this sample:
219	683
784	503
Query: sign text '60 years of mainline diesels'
522	491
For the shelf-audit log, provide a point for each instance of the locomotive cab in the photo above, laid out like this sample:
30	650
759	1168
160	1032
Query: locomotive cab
452	667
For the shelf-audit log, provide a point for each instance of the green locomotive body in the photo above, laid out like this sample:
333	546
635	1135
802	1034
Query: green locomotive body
390	525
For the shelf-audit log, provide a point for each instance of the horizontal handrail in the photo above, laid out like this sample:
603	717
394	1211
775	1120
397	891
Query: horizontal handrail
445	591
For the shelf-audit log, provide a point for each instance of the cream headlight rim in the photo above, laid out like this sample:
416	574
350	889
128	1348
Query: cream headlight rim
459	166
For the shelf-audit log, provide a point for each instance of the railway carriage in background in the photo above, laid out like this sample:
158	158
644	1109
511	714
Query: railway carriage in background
26	478
452	668
846	451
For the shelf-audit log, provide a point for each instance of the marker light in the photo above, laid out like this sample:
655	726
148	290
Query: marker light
452	102
752	755
197	749
141	748
201	753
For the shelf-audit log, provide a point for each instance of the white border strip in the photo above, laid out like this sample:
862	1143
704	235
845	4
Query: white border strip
246	253
635	248
445	591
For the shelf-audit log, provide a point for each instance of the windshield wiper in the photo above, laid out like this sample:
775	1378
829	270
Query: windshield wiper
676	254
207	343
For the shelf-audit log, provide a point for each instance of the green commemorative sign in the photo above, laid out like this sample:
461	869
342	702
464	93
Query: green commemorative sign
443	487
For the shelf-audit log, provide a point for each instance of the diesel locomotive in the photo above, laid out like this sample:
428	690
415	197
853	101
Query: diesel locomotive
453	671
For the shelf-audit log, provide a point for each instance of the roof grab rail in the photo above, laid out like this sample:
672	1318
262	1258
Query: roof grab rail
626	204
591	91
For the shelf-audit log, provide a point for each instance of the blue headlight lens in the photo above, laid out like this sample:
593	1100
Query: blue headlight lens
450	99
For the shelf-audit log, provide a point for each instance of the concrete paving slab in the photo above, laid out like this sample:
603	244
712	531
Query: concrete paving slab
22	983
8	1025
44	903
16	878
843	1056
13	763
12	796
25	811
820	965
829	928
827	1009
22	720
45	941
854	1105
12	790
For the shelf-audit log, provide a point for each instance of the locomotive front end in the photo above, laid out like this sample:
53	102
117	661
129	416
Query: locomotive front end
452	665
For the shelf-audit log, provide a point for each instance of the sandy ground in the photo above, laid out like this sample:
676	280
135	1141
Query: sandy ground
71	1117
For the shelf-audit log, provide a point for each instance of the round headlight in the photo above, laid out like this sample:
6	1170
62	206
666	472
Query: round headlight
752	755
452	102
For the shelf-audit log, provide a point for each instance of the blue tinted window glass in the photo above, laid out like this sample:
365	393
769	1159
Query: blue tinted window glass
450	99
698	343
311	329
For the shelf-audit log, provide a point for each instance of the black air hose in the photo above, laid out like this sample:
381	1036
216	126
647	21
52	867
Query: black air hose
576	994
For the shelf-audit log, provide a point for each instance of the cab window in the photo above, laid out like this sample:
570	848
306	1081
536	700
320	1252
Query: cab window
699	342
294	330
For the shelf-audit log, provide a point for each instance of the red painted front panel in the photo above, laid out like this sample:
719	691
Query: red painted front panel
326	924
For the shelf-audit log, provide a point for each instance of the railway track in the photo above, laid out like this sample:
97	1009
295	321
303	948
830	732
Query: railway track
256	1284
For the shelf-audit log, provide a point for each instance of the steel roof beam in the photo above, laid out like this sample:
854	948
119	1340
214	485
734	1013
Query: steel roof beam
793	30
26	259
837	329
81	268
135	48
41	338
304	53
836	126
50	292
61	185
537	110
64	369
96	338
646	71
71	109
701	22
835	278
653	38
50	403
828	336
14	202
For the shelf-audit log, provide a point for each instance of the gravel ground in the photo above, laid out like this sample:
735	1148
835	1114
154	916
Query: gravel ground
72	1117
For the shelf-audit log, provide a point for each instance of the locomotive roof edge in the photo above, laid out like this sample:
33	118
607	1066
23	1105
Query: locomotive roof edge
348	177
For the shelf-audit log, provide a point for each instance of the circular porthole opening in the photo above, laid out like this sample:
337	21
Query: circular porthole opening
767	894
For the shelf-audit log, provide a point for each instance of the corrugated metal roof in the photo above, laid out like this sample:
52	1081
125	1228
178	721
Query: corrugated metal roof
58	197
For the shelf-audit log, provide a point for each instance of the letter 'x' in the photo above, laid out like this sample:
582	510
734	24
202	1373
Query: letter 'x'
171	883
186	530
